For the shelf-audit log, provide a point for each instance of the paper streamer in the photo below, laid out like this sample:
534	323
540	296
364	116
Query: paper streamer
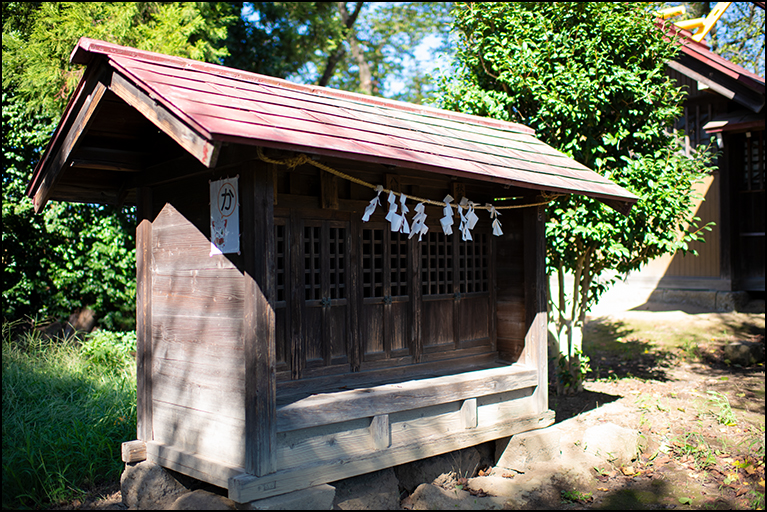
370	208
405	228
419	222
447	220
394	219
496	223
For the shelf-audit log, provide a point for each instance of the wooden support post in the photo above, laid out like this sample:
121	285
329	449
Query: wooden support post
416	299
258	320
144	212
355	292
329	186
469	413
459	191
381	431
133	451
536	345
296	296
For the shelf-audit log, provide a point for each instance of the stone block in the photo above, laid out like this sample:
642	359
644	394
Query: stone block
319	497
147	486
744	353
731	301
528	447
702	298
202	500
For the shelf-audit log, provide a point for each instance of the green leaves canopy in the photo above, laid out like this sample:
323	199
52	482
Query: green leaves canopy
76	255
590	79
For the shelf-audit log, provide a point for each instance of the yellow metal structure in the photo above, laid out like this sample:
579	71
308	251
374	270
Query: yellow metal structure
670	12
702	26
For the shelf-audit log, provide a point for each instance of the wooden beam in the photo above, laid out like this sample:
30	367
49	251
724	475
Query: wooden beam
133	451
381	431
329	186
390	398
198	145
719	82
192	464
59	161
257	192
469	413
245	488
536	337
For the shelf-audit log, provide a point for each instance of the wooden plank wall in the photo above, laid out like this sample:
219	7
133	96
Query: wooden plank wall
198	371
510	282
328	437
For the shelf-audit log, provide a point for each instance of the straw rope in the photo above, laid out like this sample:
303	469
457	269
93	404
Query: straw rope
302	159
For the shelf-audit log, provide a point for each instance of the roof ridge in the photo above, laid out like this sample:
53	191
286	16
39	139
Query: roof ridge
86	48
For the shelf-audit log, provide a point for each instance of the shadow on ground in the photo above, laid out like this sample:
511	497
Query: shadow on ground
569	406
616	353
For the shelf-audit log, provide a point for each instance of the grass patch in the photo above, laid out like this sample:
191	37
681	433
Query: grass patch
67	406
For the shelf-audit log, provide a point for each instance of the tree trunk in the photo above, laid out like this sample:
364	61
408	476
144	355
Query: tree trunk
336	57
567	315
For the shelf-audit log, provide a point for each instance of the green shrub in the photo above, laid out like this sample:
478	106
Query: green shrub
107	348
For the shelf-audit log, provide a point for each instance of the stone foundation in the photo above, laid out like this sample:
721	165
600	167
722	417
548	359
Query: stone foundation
147	486
713	300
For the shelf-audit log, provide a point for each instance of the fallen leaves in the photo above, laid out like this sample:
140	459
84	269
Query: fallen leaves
629	471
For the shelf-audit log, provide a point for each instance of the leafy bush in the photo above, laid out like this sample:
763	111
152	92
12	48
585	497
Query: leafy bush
72	255
108	348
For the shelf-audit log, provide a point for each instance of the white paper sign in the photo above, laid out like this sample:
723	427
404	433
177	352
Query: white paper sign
224	217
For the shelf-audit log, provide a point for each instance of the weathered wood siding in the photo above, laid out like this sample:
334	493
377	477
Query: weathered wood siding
510	283
348	305
198	372
706	264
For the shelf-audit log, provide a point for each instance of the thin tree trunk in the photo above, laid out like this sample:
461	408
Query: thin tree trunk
336	57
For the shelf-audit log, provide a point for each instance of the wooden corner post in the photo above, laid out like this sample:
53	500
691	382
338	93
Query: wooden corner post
536	346
144	315
258	249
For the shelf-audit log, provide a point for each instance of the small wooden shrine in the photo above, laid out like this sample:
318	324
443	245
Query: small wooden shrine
328	283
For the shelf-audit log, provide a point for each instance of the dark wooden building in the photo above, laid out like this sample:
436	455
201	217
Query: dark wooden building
726	102
317	346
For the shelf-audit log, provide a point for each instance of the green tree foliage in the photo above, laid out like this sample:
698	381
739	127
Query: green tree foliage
69	257
76	255
83	255
589	78
381	45
37	42
355	46
279	38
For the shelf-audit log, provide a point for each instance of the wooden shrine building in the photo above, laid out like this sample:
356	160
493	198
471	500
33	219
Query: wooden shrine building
725	102
283	340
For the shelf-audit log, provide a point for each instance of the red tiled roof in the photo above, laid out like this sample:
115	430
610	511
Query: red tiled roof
702	53
228	105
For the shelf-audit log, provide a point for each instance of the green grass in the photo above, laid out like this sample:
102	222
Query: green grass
67	406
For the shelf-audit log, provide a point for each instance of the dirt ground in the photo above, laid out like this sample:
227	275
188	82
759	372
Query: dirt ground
703	419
